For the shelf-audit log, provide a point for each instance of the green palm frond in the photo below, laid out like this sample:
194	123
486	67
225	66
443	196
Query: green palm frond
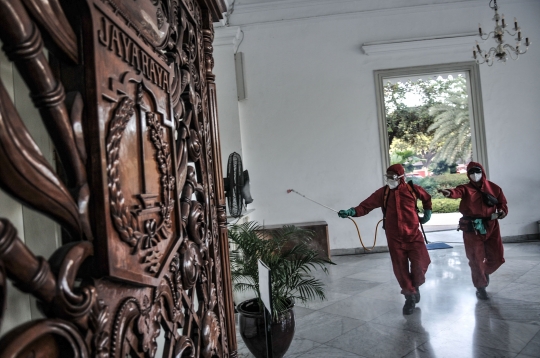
290	265
451	125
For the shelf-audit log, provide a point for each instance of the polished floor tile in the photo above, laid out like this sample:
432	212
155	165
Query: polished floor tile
445	348
362	308
367	263
378	274
300	346
521	292
487	332
363	314
300	311
387	291
511	310
419	322
335	272
324	351
375	340
533	347
519	265
322	327
331	298
351	286
532	277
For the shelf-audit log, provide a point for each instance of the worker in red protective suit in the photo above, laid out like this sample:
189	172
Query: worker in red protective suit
481	234
405	241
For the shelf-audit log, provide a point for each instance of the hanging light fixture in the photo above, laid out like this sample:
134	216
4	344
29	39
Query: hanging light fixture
502	50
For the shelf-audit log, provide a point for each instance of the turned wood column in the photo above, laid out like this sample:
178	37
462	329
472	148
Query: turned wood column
208	34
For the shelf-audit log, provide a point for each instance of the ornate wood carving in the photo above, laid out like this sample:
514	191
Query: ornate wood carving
145	266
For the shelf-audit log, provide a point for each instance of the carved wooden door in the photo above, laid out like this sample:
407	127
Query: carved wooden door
128	98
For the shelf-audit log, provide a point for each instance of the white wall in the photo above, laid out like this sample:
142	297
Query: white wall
229	124
310	119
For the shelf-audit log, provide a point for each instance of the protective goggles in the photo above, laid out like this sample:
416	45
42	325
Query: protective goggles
393	176
474	170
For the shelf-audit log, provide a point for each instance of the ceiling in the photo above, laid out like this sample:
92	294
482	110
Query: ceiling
248	12
367	3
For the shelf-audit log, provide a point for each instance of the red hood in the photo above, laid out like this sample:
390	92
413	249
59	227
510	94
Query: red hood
477	165
399	170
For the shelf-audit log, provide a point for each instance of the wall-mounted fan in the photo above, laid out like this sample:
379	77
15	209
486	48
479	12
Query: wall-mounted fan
236	186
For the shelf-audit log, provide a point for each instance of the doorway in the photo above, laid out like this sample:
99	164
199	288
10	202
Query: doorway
431	122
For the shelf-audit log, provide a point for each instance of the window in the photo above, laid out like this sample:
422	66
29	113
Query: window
431	118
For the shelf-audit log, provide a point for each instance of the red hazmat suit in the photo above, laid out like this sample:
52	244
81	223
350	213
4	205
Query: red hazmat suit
405	241
485	252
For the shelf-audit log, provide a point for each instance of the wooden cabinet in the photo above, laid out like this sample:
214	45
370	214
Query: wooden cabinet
320	241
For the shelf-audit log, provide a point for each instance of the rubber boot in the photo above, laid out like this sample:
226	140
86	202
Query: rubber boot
417	295
481	293
408	308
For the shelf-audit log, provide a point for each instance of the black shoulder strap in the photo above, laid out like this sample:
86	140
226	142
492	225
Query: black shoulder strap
385	199
410	185
486	197
412	190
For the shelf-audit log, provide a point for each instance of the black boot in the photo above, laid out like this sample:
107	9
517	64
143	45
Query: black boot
417	295
487	279
408	308
481	293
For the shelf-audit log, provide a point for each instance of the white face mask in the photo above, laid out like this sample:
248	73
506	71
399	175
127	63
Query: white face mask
476	177
392	184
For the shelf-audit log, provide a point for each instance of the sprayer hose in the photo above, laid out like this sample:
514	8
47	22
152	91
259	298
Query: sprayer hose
360	236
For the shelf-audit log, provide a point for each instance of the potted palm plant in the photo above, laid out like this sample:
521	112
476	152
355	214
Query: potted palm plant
286	253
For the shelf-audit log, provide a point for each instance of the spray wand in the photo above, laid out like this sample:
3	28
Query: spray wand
316	202
348	217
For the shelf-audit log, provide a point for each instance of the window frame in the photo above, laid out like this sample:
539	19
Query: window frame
476	111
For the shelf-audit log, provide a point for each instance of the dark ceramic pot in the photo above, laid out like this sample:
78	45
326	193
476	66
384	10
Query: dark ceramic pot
253	332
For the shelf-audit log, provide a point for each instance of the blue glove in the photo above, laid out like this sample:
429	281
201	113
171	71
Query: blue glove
426	217
345	213
478	225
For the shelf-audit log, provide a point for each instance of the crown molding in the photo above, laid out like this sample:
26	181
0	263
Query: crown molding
284	5
455	42
273	11
295	10
224	36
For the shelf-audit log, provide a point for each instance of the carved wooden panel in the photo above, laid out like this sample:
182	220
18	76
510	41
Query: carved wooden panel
140	218
128	98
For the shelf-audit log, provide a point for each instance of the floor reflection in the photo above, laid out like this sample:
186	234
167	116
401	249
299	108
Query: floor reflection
363	318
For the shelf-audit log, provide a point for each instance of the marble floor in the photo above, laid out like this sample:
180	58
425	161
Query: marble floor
362	316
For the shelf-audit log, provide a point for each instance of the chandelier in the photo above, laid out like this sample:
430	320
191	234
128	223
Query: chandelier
502	50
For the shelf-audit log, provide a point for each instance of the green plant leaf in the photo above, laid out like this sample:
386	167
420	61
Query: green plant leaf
287	254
